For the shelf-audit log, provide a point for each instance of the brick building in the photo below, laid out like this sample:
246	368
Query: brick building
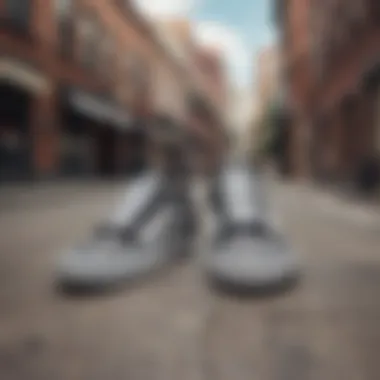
210	63
265	89
332	53
55	102
293	18
209	71
78	80
268	81
346	53
206	80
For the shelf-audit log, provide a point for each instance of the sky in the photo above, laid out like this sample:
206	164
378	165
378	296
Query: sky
238	27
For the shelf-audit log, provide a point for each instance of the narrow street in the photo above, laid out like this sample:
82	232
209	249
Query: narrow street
173	327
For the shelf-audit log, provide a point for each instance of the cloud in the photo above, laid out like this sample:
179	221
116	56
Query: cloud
165	8
207	33
230	43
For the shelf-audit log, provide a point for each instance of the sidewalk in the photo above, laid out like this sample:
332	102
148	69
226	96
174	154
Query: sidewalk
31	196
341	205
173	326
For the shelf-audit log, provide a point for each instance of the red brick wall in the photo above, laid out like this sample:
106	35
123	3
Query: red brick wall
42	50
295	52
352	43
349	61
345	75
45	133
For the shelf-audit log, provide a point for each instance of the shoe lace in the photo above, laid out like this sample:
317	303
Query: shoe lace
109	232
254	230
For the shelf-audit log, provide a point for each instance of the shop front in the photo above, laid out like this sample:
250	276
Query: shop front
133	149
21	86
371	90
368	175
94	135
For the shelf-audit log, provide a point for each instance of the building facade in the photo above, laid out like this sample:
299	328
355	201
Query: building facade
347	67
332	54
268	80
60	71
265	87
210	75
293	18
206	81
81	83
209	63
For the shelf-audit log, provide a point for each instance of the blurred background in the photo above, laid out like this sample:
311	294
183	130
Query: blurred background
292	84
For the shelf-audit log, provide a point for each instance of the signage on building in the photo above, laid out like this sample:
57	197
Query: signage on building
98	109
24	75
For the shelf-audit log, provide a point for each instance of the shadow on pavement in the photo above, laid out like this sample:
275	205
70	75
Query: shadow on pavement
241	292
92	291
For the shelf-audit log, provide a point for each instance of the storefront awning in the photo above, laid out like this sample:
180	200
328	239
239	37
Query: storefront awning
101	110
23	75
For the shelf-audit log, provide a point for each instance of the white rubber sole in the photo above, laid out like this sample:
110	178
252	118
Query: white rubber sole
255	264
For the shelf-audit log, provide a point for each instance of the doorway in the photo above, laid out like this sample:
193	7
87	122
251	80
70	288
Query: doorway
106	152
15	134
137	157
377	122
77	146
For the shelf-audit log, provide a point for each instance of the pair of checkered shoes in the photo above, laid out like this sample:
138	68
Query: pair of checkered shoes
245	251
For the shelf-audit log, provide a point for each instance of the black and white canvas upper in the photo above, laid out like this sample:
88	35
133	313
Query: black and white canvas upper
247	249
135	239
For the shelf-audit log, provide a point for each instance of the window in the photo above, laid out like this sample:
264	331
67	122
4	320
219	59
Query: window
351	17
128	63
340	14
329	39
142	73
63	8
375	10
126	76
358	11
64	12
88	32
129	68
377	120
18	13
119	73
135	68
317	36
105	56
124	5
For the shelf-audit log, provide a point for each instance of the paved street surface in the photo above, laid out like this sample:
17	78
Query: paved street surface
171	327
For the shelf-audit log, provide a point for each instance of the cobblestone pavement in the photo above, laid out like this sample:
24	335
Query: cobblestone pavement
173	326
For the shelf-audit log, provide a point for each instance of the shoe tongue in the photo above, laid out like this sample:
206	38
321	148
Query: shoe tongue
237	190
107	243
136	196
